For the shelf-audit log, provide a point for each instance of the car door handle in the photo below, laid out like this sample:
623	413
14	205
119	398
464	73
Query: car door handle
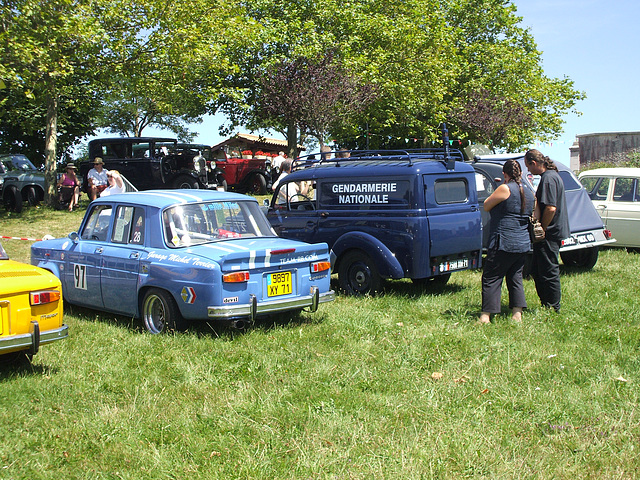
98	250
134	255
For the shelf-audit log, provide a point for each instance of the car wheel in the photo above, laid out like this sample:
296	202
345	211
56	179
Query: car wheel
32	196
222	184
12	199
185	181
584	258
358	274
258	184
160	312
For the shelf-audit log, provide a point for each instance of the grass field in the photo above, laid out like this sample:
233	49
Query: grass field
404	385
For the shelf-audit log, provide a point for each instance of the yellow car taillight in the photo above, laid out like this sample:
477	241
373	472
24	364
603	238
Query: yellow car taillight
44	296
235	277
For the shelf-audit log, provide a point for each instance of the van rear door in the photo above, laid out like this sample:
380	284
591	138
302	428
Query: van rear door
455	223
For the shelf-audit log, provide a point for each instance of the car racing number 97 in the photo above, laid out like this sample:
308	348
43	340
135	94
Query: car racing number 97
80	276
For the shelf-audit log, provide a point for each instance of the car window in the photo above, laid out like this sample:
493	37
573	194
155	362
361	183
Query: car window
569	180
199	223
589	183
97	224
298	195
598	187
623	189
128	226
451	191
484	185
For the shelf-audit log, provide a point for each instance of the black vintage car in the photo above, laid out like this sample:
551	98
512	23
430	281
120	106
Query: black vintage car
151	162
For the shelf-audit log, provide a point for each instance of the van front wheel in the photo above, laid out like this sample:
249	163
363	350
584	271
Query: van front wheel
358	274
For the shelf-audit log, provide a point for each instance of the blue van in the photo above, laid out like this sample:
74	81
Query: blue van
384	214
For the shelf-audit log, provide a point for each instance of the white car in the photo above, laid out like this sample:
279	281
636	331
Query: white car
615	192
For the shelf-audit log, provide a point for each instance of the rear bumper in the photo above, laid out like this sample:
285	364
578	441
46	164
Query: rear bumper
585	239
33	339
254	309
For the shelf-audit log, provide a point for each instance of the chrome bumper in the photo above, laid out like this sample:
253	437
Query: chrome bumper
32	340
585	239
254	309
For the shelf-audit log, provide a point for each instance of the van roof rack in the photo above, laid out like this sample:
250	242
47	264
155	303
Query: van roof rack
447	156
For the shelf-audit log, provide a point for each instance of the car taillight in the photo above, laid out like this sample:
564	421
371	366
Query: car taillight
45	296
317	267
235	277
607	234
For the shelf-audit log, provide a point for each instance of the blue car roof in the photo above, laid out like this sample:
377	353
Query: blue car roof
166	198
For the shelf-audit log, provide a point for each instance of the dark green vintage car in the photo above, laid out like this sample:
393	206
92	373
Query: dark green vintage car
21	182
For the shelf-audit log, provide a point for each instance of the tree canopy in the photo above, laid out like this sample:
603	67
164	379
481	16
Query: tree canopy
71	66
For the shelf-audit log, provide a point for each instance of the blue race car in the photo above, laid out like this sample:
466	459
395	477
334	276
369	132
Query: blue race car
172	256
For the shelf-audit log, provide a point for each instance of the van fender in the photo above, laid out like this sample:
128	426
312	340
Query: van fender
388	265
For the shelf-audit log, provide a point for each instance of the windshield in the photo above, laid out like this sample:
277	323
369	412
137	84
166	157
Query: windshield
198	223
17	163
3	254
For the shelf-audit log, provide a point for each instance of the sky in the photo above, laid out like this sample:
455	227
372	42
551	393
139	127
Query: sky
595	43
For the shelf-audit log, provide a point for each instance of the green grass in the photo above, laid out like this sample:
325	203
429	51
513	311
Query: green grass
347	392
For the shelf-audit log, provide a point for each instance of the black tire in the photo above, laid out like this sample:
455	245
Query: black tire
258	184
159	312
185	181
12	199
584	258
358	274
222	184
32	196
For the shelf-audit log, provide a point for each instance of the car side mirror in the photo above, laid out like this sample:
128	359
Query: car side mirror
74	237
265	202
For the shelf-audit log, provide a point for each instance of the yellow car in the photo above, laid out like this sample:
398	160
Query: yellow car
30	308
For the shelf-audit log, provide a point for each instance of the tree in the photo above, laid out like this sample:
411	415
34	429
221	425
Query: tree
312	95
499	69
44	46
426	58
489	118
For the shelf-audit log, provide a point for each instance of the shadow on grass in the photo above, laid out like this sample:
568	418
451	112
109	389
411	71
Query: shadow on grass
201	328
18	364
407	288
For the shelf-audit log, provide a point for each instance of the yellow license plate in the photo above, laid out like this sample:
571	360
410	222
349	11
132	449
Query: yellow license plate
279	284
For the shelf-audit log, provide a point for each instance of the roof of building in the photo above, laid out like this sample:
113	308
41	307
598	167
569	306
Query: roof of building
250	138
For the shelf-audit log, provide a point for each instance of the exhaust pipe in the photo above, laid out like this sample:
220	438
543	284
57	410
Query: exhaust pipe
238	324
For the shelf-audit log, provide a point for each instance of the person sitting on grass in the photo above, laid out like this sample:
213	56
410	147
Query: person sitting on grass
69	187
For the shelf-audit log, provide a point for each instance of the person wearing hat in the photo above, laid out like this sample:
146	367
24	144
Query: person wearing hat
97	178
69	187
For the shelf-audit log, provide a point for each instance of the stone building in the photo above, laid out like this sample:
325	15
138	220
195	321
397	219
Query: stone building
598	147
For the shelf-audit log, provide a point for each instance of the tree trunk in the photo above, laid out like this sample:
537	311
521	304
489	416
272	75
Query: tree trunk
50	177
292	140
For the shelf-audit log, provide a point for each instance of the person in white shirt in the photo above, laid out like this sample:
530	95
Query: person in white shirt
97	178
277	161
116	184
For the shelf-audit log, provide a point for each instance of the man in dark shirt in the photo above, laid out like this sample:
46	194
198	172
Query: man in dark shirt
551	210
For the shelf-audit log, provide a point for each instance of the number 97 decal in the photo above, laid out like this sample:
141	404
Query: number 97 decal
80	276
